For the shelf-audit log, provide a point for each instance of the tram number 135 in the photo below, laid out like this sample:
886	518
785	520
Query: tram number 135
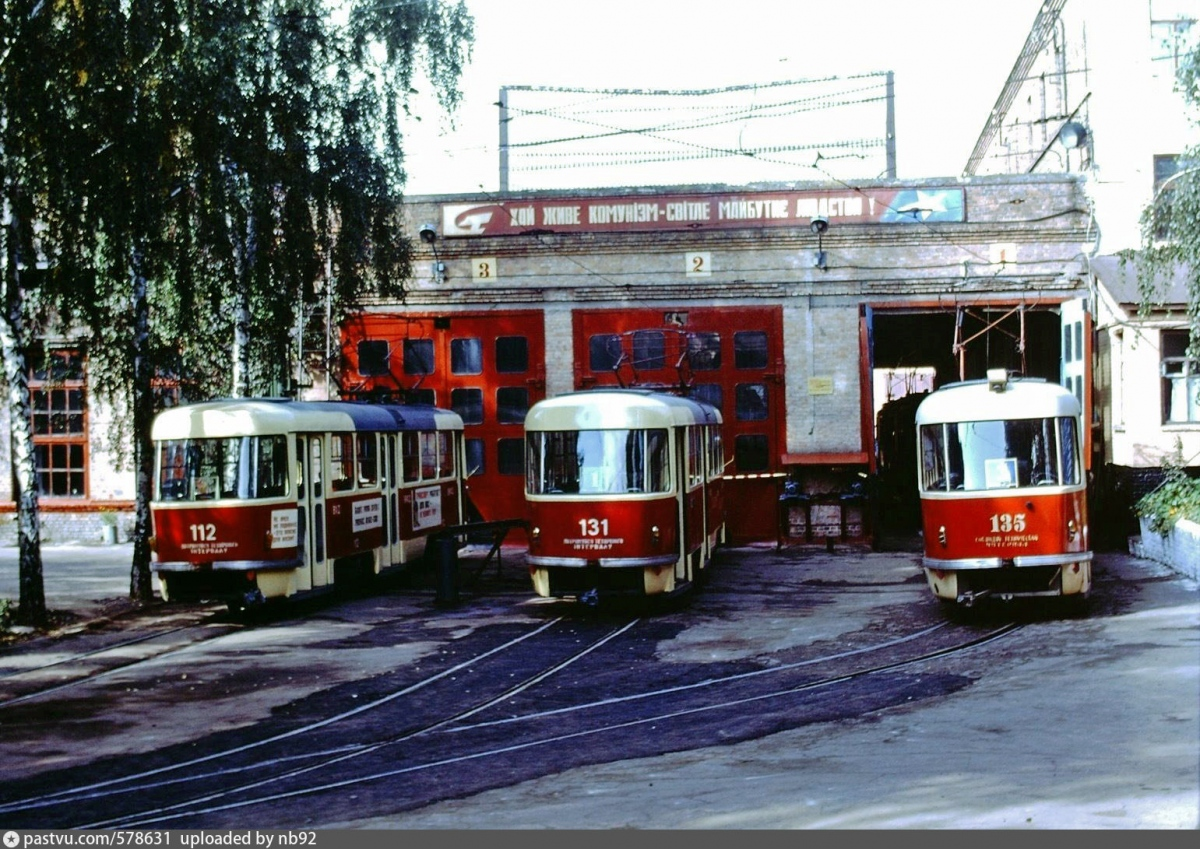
593	527
1003	522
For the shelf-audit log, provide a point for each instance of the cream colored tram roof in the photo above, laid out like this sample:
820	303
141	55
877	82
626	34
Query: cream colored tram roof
610	409
974	400
246	417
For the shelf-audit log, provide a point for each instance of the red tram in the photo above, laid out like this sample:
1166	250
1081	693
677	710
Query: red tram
264	499
624	493
1003	491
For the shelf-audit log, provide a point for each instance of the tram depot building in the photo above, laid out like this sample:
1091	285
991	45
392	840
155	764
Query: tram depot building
795	308
813	315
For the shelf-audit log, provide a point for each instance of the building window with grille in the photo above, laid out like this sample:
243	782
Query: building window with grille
59	417
1180	379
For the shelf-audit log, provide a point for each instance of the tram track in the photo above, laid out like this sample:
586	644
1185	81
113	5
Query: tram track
471	733
146	781
23	684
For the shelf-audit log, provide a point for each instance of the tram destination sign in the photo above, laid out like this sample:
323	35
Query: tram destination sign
711	211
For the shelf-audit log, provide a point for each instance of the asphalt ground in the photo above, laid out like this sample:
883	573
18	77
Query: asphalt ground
1091	723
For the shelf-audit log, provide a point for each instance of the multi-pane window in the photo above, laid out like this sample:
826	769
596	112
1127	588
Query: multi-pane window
750	452
512	403
704	351
604	351
418	356
750	349
466	356
59	419
373	357
1180	379
512	354
468	403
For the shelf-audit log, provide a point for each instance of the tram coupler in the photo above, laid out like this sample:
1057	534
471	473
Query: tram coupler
968	599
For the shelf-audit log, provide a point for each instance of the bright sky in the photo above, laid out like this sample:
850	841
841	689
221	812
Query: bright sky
950	59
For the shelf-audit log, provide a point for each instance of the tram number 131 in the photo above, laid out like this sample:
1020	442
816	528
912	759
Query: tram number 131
593	527
1004	522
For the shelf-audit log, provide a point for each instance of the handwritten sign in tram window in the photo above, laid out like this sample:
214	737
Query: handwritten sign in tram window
1000	473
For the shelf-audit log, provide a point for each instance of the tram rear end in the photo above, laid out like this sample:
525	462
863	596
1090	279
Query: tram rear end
1003	491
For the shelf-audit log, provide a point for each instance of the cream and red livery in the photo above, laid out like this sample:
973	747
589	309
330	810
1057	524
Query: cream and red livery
1003	490
624	492
259	499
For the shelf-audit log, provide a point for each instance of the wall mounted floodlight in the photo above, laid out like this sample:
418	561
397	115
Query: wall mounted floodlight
819	225
1073	135
428	235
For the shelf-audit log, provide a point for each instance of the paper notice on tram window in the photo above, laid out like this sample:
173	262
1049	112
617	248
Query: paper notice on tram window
1000	473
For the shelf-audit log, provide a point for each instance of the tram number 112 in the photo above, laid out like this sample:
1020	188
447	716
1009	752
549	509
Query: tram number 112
593	527
1005	522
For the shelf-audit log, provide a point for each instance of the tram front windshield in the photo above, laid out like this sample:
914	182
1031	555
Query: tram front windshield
597	462
983	455
232	467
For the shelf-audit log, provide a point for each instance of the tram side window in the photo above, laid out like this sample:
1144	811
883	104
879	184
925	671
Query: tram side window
270	467
316	468
341	462
429	455
368	459
445	449
1069	451
750	452
716	452
410	455
695	456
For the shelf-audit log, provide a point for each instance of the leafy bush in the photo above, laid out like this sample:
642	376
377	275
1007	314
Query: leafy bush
1177	497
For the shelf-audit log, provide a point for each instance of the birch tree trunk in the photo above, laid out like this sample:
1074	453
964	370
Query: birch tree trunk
141	588
31	605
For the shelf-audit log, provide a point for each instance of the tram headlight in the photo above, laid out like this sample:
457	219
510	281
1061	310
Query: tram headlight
535	532
942	535
1072	529
655	534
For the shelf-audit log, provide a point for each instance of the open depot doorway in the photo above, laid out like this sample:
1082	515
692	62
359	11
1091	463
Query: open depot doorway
916	351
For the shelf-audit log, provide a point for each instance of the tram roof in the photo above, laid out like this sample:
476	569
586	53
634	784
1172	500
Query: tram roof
976	400
249	416
601	409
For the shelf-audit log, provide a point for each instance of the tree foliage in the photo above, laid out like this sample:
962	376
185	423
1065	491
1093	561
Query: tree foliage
204	175
1171	224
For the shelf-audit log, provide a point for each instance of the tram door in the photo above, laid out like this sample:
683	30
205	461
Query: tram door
1075	368
681	505
310	502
